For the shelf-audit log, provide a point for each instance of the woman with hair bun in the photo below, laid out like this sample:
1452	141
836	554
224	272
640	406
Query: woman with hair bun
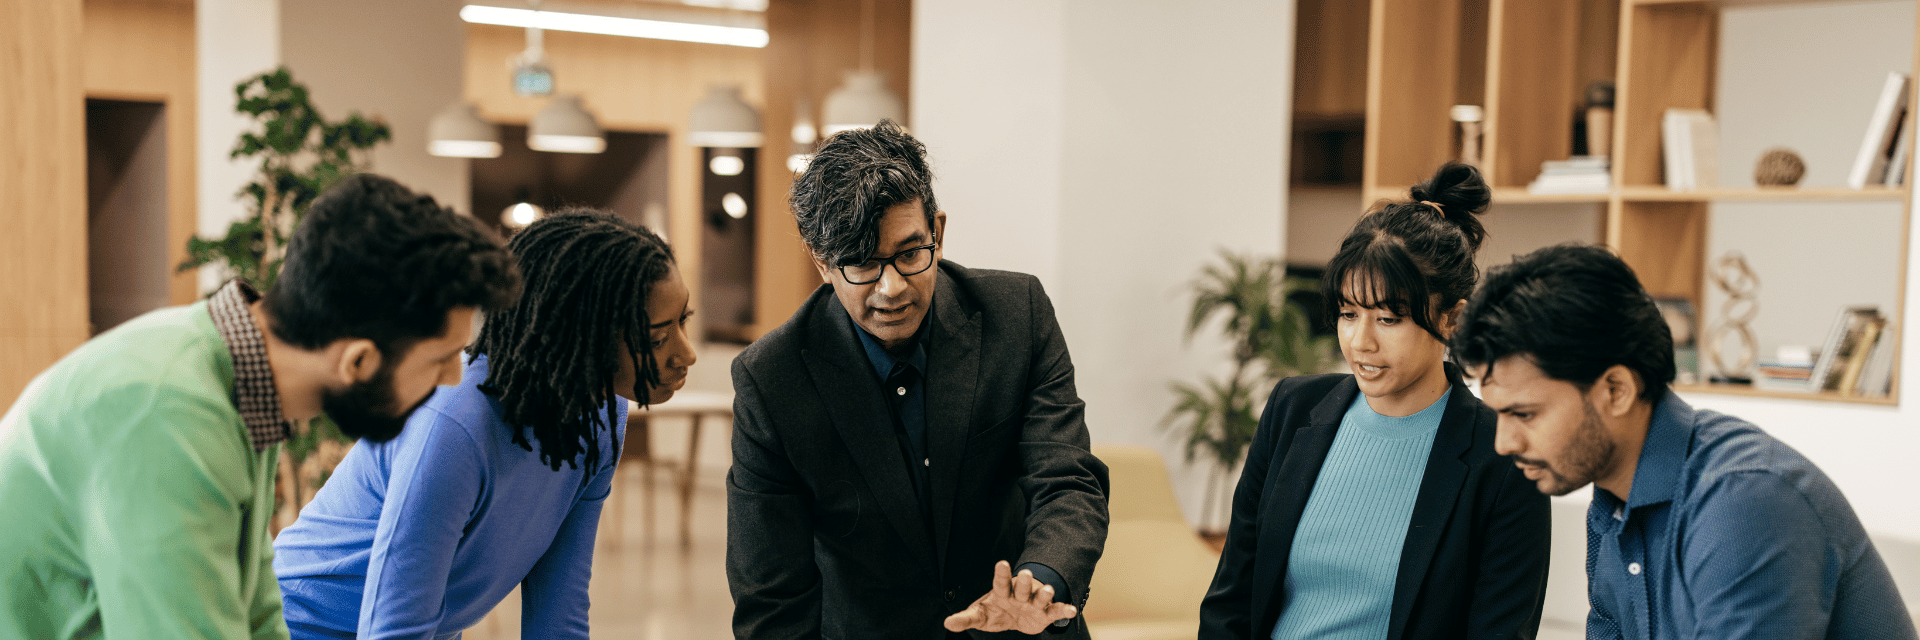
1372	504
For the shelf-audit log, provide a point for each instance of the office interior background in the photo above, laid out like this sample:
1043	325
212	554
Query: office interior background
1112	148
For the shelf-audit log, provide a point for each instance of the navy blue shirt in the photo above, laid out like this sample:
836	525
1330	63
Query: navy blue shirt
904	383
1730	533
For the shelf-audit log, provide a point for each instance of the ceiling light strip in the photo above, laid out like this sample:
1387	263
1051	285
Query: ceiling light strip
606	25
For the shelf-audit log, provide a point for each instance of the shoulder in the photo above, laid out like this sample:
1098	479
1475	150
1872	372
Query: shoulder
781	347
992	288
1733	460
1308	390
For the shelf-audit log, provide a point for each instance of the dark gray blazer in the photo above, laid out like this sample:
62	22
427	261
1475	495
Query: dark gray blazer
825	537
1474	564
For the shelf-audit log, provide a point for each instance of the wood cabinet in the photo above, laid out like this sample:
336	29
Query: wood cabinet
1527	63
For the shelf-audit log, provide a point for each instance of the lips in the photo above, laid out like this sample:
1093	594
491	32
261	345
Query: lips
1368	371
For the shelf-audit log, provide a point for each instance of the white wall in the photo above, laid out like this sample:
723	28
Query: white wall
234	40
398	62
1813	94
1111	147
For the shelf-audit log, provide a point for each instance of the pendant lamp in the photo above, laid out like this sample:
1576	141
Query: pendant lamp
863	99
458	132
724	119
565	126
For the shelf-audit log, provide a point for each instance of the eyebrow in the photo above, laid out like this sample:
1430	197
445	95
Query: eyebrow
918	239
1518	406
684	312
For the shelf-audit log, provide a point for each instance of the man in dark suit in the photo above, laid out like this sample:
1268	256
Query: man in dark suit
909	452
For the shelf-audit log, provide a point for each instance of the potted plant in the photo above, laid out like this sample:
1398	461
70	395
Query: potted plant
1272	339
301	154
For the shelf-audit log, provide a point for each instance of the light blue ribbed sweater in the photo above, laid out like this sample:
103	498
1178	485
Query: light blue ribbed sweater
1346	549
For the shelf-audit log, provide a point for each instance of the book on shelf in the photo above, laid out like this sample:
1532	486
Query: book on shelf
1862	347
1883	130
1690	149
1839	349
1902	153
1876	380
1579	174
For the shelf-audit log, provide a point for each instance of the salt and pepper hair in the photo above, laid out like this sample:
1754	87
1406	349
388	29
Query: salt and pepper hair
851	181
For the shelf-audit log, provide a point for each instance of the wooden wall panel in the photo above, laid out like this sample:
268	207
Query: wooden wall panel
144	50
43	300
811	44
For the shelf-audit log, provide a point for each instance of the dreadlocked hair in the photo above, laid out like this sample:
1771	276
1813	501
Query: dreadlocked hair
551	357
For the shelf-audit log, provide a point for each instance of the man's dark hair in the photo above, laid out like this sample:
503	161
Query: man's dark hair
1574	311
374	260
1404	253
551	358
852	180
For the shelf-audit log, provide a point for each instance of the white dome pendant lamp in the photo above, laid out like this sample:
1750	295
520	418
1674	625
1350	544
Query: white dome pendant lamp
565	126
863	99
458	132
724	119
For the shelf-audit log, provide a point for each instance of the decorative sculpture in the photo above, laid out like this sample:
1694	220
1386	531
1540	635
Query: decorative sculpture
1779	167
1735	277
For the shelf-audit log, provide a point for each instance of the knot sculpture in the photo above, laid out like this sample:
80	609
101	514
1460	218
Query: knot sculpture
1735	277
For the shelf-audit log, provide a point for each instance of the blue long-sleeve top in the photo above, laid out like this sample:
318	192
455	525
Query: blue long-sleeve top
420	536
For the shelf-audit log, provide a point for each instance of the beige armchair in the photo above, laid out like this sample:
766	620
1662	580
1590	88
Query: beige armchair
1155	570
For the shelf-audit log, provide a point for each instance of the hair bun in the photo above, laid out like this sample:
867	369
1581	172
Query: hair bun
1460	192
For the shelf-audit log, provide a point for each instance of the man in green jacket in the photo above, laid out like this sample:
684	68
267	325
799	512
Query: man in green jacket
137	473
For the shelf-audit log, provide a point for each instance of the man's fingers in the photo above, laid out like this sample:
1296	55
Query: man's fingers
1044	596
1023	586
1063	611
964	620
1002	578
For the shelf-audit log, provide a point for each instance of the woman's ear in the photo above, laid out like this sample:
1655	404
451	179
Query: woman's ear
1450	319
354	360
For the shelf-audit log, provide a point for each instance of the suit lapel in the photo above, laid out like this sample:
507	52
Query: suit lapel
1286	494
1439	490
952	382
848	387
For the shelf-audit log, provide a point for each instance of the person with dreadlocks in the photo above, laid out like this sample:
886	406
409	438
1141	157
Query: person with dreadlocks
498	482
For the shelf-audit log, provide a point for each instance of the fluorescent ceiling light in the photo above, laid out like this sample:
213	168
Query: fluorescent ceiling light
605	25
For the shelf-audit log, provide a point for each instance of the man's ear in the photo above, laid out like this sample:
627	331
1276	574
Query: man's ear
354	360
1616	390
826	274
939	232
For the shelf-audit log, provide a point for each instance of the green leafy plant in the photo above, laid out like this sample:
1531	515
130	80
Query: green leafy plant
1272	339
300	154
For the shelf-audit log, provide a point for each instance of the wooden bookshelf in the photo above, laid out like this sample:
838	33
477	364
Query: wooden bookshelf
1528	62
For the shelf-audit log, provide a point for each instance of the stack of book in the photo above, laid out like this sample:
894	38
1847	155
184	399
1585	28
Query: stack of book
1858	356
1784	376
1579	174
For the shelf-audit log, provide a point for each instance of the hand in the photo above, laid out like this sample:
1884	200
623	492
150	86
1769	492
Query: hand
1019	603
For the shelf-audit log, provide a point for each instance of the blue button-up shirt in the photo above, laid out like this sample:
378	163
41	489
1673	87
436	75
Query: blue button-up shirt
1729	533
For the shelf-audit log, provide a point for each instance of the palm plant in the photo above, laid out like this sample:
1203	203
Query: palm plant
1272	339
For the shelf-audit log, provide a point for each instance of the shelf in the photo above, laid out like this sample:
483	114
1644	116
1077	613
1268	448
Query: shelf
1663	194
1520	195
1751	392
1735	3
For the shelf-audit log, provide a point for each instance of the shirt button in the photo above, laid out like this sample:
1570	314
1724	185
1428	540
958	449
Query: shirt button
900	391
926	462
1633	568
949	595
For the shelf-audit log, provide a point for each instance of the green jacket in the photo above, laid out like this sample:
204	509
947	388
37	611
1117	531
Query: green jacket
132	504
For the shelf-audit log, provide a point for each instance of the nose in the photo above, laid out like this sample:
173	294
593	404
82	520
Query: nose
1506	437
1359	337
681	353
891	282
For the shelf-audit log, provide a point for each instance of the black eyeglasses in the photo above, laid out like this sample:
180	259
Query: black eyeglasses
906	263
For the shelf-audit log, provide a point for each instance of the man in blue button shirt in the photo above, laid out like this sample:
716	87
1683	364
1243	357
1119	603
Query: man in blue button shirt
1702	525
910	457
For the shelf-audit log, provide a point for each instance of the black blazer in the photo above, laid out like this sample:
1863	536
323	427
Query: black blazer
1474	564
825	537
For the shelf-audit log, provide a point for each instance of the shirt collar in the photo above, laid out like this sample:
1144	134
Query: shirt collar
1663	456
254	393
883	362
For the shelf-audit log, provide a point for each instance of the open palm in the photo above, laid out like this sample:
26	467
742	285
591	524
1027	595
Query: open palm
1019	603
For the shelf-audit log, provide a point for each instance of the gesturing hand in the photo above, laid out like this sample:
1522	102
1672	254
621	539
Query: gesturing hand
1019	603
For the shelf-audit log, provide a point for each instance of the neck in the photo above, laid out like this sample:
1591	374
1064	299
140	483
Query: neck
1629	434
1415	398
295	370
